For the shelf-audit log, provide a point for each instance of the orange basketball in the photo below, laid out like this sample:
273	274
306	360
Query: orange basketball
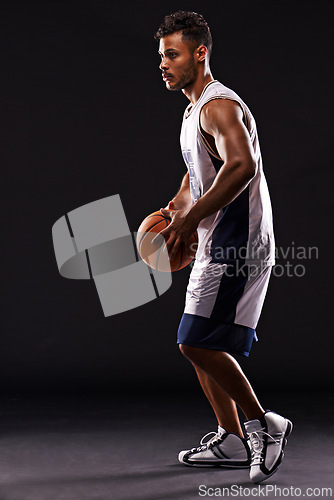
155	255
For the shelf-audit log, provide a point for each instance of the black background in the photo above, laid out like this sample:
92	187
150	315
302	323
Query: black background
86	115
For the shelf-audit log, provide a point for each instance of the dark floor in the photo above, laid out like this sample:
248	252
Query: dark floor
89	448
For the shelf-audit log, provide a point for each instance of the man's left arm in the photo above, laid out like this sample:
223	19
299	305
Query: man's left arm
222	119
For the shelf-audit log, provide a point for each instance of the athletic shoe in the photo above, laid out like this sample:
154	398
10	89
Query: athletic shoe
267	438
224	449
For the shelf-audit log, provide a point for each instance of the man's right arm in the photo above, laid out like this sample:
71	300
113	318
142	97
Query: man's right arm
182	200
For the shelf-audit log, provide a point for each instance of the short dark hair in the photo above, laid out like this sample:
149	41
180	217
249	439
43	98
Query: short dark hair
193	27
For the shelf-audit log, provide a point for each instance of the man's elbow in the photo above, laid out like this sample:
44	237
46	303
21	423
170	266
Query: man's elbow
249	169
243	168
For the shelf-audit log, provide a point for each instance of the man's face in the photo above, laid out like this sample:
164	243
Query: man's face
178	66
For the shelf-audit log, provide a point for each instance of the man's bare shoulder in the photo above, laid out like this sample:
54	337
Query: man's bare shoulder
220	112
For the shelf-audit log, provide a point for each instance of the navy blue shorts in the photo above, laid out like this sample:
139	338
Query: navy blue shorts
223	305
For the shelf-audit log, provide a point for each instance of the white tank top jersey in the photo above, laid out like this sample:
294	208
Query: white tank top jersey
243	230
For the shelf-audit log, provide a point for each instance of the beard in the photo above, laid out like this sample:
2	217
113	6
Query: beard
188	77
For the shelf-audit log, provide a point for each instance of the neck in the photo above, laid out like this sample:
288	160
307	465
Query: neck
194	91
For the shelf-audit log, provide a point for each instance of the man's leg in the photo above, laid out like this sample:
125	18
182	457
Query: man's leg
228	447
267	431
223	406
226	372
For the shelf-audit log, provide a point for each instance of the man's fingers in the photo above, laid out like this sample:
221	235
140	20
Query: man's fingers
170	241
166	212
172	244
174	249
169	207
166	234
159	237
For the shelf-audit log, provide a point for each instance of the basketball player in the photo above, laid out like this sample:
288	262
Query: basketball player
224	196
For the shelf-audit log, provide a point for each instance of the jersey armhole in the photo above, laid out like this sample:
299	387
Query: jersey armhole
201	131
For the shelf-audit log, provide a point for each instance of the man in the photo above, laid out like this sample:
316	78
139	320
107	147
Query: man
224	197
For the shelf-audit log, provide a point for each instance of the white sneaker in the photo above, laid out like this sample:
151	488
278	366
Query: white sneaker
224	449
267	439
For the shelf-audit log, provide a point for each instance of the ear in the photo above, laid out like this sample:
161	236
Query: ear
201	52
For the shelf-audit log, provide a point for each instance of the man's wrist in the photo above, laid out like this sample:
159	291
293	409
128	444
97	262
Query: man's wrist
195	213
181	202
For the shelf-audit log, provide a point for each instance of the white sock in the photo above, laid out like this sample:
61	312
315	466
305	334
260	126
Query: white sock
221	430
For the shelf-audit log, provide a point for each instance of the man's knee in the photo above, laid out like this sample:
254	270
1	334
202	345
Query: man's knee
190	352
200	356
183	348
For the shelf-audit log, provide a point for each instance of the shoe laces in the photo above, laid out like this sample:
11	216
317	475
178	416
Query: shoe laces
204	445
216	439
257	440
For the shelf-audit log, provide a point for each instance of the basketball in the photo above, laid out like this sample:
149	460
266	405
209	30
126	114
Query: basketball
154	255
